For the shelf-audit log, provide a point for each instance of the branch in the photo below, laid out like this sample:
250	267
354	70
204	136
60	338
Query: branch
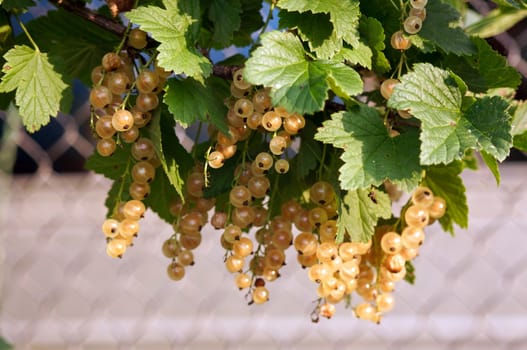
82	11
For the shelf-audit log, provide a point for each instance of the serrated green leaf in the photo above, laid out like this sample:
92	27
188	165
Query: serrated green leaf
10	5
372	33
359	212
307	91
162	193
361	54
485	70
490	124
78	42
444	181
344	14
39	88
492	164
192	9
316	29
173	157
169	27
520	142
225	14
113	166
299	84
190	101
434	96
370	154
343	80
496	22
438	29
519	119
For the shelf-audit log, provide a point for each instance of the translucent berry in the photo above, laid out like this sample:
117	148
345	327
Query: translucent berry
399	41
238	81
137	39
418	4
100	96
122	120
387	87
176	271
413	24
391	243
106	147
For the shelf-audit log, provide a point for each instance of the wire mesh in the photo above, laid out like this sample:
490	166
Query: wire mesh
62	291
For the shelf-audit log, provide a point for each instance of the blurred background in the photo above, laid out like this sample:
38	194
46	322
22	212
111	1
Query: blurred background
59	290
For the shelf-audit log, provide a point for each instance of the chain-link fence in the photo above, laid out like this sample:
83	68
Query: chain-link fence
60	290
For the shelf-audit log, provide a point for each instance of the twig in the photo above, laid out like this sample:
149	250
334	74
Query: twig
82	11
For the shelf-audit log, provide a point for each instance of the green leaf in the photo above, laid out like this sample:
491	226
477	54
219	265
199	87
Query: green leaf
344	14
190	101
39	88
309	154
118	193
343	80
4	345
485	70
280	63
433	96
519	119
362	55
10	5
225	14
316	29
372	33
174	159
299	84
444	181
490	124
251	20
221	179
520	142
161	195
169	27
190	8
113	166
470	161
370	154
492	164
359	212
78	42
496	22
438	29
410	272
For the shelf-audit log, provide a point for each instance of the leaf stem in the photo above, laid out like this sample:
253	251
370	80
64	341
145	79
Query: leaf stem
123	39
266	23
35	46
322	160
196	140
121	188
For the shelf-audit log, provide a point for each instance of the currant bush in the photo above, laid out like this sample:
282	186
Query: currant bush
300	146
